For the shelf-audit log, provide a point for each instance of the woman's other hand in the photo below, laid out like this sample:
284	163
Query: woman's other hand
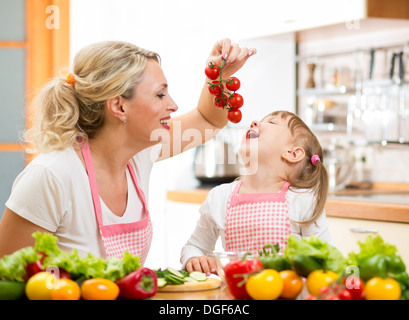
234	55
203	264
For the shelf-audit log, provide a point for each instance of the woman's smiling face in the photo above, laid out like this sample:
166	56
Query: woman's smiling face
150	107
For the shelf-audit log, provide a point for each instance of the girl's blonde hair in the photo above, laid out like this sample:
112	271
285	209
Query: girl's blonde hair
67	114
308	176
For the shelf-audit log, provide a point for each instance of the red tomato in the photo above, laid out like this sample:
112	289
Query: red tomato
219	102
212	72
215	88
236	101
345	295
234	115
356	286
233	84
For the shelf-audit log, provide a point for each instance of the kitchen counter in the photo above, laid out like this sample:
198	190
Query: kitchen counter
383	202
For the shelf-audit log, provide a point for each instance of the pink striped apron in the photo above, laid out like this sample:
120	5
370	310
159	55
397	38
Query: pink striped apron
134	237
254	219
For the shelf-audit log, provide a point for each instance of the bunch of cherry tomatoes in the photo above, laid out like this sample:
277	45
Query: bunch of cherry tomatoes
225	99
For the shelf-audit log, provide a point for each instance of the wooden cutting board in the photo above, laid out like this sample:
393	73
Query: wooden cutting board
210	283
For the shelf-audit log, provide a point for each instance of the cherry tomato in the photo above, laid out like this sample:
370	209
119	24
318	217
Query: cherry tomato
66	289
382	289
356	286
345	294
236	101
212	72
233	84
234	115
265	285
215	88
219	102
292	284
318	279
99	289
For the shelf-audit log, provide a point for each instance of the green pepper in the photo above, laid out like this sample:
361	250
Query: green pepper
303	265
381	265
375	266
395	264
273	260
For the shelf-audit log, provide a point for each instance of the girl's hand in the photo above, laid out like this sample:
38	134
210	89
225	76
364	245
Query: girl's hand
203	264
234	55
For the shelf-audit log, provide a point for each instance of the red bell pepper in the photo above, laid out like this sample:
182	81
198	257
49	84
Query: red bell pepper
139	284
37	266
236	273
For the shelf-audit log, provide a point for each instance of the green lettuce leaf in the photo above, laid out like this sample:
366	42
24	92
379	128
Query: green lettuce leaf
316	248
369	247
13	266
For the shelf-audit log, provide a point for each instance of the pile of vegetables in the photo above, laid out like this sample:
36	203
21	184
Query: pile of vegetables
46	272
312	269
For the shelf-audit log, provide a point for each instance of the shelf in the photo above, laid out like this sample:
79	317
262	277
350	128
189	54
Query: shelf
342	90
328	127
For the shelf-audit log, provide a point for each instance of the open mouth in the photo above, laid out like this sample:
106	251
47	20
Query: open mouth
252	134
165	122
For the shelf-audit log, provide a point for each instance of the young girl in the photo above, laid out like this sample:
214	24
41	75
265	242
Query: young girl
282	192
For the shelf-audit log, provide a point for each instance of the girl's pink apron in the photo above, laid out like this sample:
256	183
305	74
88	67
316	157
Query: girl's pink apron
134	237
254	219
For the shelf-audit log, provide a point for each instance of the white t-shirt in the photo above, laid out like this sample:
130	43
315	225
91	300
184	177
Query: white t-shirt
212	220
53	192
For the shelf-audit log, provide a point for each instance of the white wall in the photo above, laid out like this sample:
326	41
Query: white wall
183	35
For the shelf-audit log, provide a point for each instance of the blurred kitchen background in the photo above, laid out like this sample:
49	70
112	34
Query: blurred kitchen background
339	64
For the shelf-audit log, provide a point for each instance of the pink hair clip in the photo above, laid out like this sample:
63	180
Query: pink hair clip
314	159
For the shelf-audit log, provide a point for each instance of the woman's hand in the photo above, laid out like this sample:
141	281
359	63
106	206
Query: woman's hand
203	264
234	55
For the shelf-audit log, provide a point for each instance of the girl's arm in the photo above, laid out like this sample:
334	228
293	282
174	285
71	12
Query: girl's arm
202	123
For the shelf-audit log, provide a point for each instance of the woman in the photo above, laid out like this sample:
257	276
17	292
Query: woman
97	135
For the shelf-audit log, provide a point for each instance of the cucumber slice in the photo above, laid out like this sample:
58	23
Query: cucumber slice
199	276
162	282
175	272
173	279
189	279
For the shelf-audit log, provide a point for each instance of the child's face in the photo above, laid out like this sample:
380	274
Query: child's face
266	140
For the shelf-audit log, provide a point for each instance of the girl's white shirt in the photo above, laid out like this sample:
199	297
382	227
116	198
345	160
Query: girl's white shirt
211	224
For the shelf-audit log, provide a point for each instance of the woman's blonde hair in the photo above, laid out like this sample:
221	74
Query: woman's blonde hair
308	175
69	113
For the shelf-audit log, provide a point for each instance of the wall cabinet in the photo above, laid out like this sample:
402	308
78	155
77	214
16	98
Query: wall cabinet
347	232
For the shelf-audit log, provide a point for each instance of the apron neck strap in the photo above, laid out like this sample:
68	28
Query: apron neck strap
86	154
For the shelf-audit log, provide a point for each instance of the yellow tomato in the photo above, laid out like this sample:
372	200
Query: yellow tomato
99	289
66	289
382	289
292	284
40	285
318	279
265	285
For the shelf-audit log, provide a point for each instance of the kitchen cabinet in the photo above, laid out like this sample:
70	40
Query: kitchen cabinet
276	17
347	232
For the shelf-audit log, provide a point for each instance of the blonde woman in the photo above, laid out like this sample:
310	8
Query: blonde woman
98	134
